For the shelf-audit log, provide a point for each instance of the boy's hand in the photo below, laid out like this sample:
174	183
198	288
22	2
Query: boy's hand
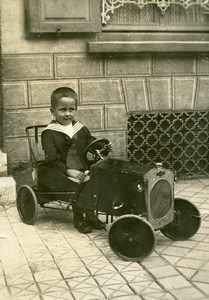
75	174
110	147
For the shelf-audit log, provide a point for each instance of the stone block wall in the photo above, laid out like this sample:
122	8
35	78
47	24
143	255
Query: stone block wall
28	81
109	88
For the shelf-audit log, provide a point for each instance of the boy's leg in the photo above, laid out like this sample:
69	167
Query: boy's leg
94	221
79	222
84	200
50	180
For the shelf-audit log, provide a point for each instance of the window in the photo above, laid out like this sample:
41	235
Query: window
126	25
155	15
153	26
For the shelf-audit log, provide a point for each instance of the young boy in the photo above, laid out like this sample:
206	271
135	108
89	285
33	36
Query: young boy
64	141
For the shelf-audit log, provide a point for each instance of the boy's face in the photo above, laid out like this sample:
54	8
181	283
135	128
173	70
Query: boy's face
64	111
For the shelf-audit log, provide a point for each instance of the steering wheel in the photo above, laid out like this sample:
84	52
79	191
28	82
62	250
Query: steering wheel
96	150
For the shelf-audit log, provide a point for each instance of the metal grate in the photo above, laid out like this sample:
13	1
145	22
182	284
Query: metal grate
180	140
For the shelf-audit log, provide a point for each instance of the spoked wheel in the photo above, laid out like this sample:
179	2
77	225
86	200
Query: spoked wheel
186	221
96	150
131	238
27	204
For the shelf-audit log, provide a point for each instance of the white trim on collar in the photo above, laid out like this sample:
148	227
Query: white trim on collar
69	130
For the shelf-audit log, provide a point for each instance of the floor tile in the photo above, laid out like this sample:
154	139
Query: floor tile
188	293
88	294
174	282
201	276
108	279
24	290
52	286
47	275
136	276
61	295
189	263
149	287
157	296
77	283
204	287
69	271
117	290
164	271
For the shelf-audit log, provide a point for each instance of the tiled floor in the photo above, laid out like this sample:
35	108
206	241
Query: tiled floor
51	260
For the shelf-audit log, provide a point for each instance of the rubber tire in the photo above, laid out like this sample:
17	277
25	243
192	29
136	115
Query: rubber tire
131	238
27	204
186	221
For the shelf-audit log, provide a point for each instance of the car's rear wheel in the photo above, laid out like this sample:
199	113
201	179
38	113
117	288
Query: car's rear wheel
27	204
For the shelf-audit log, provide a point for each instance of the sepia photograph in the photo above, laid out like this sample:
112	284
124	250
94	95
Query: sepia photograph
104	149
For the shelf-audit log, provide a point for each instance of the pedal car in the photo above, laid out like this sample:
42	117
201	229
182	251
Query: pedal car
139	198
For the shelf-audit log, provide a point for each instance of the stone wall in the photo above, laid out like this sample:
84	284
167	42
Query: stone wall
109	86
1	102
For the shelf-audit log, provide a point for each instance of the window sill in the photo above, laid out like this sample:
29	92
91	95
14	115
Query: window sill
150	42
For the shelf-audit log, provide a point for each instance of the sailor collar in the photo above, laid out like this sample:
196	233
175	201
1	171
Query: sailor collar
70	130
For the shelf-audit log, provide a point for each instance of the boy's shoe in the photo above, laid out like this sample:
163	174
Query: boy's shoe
94	222
81	224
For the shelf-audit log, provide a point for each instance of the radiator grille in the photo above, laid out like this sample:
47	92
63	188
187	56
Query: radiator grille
160	199
177	139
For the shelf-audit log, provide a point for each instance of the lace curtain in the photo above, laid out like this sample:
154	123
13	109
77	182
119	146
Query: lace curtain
151	16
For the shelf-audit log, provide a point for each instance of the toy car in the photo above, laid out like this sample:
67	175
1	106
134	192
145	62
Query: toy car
140	197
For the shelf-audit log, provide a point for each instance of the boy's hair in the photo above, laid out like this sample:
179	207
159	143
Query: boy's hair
63	92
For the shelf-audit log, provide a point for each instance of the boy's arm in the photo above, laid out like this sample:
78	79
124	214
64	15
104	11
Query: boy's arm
52	157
